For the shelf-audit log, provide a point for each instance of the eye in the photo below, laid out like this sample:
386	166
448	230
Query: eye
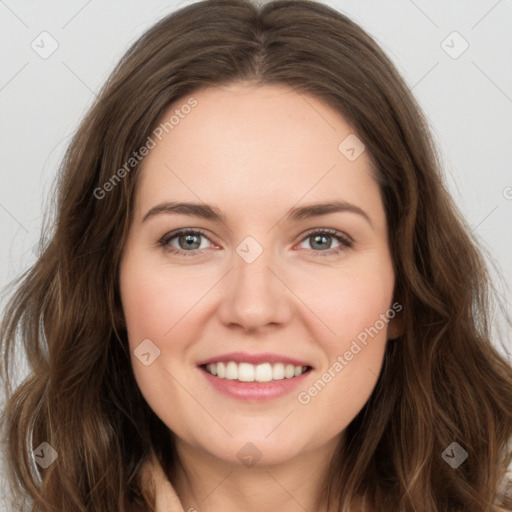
188	242
321	241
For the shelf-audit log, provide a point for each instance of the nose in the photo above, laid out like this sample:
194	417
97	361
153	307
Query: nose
254	294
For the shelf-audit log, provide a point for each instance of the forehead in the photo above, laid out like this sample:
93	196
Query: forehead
258	148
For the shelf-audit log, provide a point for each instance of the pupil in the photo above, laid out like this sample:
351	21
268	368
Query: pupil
189	240
323	239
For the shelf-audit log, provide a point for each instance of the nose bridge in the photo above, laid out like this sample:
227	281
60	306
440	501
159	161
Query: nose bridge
252	275
255	296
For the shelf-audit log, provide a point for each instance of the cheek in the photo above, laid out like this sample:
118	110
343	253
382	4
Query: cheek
156	300
362	303
155	304
349	300
151	306
166	306
356	306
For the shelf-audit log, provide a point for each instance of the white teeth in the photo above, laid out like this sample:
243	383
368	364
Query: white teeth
232	371
247	372
263	373
289	371
278	371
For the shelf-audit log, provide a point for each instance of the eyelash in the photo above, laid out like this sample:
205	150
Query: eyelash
345	241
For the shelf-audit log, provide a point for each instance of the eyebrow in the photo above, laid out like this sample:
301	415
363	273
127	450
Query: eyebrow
210	212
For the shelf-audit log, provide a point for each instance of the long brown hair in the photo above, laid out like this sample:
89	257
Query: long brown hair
442	381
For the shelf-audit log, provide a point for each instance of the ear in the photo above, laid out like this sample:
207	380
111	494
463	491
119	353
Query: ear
396	326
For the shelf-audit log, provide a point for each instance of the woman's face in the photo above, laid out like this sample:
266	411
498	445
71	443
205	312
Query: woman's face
265	285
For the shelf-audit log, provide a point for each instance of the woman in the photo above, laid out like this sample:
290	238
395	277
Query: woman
258	294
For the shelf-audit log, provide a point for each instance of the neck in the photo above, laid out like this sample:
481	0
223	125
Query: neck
205	483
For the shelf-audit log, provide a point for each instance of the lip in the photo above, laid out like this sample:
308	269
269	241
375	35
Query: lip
254	391
245	357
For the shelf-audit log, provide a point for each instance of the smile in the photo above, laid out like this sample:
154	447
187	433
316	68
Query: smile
255	377
247	372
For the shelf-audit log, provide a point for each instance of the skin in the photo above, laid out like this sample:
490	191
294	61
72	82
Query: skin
255	152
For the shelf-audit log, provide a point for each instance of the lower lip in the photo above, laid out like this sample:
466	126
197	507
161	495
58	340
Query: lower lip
254	391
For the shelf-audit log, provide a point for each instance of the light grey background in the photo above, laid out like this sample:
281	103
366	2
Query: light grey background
468	101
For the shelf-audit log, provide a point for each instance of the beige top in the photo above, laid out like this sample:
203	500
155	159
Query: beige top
167	500
504	490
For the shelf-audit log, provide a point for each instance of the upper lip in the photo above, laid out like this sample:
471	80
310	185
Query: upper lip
245	357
